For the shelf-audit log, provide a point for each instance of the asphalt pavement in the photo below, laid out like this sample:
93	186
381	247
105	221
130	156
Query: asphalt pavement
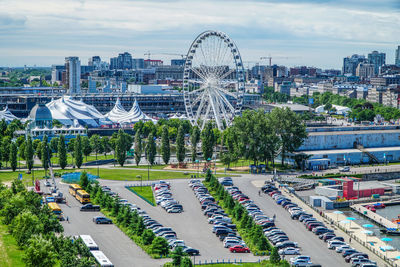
309	243
190	225
117	246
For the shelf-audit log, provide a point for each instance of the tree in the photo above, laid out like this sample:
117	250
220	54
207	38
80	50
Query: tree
13	156
54	145
177	256
45	154
29	153
120	149
39	253
35	144
328	107
194	140
159	246
231	155
21	150
165	146
39	150
186	262
151	149
86	147
180	145
23	226
62	152
207	141
78	152
291	132
138	147
84	180
95	142
5	147
148	237
3	127
274	258
105	144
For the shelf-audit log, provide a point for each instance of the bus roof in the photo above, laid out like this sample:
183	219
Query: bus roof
53	206
75	186
89	242
82	192
101	258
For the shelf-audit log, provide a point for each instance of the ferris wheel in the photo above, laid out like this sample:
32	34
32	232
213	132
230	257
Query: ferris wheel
213	80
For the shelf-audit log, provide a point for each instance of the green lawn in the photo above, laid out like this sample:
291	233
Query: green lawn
54	159
10	254
6	176
145	192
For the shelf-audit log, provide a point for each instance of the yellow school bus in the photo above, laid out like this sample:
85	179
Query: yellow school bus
73	188
82	196
55	209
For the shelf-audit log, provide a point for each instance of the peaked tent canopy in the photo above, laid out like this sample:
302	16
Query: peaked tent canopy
7	115
134	115
117	112
67	110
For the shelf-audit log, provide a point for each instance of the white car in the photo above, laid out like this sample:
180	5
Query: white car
289	251
300	258
334	244
344	169
341	248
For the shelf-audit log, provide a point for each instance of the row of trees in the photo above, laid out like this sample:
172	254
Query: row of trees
261	137
249	230
37	231
132	224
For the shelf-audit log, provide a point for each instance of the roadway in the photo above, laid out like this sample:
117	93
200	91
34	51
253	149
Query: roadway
190	225
117	246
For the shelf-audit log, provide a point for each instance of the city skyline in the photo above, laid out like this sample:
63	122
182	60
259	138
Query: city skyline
313	33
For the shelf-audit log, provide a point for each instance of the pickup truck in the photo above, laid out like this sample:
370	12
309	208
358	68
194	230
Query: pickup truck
90	207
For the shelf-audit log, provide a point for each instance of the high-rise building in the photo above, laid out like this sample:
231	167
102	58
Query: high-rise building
125	61
397	58
178	62
365	70
56	73
113	63
73	73
137	63
377	59
94	61
350	63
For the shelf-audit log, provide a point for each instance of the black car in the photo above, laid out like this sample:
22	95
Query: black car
102	220
90	207
287	244
191	251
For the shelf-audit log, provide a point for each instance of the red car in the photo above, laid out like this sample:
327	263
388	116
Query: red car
239	249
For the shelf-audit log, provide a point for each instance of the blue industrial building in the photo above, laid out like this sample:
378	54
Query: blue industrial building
327	146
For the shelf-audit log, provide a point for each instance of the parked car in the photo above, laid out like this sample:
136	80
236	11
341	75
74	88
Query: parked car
90	207
344	169
191	251
102	220
289	251
239	249
306	259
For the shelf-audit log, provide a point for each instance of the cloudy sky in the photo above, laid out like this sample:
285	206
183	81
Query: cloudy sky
296	32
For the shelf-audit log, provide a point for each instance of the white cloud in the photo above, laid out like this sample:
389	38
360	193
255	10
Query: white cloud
100	26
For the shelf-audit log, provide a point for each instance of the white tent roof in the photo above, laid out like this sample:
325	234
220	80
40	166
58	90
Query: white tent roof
7	115
135	115
117	112
66	110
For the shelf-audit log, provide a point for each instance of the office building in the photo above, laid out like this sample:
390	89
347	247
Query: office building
365	70
178	62
397	57
350	63
122	62
56	73
94	60
73	74
137	63
377	59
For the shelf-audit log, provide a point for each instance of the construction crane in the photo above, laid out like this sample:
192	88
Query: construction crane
148	54
270	58
173	54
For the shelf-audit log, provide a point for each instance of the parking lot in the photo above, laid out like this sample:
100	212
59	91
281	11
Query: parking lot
190	225
118	247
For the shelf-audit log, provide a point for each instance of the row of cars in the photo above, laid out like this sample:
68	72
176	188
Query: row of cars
163	196
337	243
222	224
286	247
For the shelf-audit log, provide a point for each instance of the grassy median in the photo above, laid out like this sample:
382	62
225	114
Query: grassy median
248	264
145	192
